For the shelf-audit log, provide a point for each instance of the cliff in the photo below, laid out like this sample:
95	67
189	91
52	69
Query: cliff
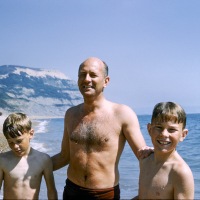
36	92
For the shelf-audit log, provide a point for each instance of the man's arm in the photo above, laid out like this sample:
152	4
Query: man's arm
132	132
61	159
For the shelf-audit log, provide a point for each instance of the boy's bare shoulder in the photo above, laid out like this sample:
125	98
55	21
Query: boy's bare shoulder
6	158
6	155
146	161
42	159
38	155
181	168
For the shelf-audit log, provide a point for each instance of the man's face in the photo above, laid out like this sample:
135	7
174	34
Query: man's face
91	78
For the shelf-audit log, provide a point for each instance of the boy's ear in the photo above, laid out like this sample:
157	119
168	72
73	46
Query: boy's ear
184	134
31	133
149	127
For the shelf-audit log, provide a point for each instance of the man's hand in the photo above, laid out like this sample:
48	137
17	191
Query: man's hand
145	152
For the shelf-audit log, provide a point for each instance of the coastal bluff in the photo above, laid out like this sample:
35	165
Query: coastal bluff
35	92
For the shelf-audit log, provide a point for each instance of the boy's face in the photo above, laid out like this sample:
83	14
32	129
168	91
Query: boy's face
21	145
166	135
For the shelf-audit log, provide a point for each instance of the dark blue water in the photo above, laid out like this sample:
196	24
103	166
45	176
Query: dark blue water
48	139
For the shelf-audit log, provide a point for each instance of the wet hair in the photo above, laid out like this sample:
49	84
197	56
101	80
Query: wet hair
15	125
169	111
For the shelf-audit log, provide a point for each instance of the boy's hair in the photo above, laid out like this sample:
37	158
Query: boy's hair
16	124
169	111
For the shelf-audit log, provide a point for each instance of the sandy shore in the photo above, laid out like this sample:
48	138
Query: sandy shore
3	144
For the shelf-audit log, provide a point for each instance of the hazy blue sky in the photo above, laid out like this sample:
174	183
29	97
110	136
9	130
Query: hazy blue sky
152	47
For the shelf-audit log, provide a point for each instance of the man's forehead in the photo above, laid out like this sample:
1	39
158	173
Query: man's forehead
94	67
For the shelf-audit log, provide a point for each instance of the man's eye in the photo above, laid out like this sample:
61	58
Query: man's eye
81	75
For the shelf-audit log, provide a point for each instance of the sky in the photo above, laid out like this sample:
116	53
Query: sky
152	47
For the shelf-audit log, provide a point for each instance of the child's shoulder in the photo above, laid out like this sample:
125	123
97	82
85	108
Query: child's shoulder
6	157
180	166
41	158
147	160
39	154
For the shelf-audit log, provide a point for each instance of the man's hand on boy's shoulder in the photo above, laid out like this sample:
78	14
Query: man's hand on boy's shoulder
144	152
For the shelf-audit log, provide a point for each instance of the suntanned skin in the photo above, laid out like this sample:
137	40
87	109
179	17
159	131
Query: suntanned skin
164	174
95	132
22	168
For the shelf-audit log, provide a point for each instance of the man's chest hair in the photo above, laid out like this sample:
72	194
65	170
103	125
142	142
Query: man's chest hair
93	131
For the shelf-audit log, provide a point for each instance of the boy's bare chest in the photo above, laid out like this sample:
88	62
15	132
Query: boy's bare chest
155	183
24	170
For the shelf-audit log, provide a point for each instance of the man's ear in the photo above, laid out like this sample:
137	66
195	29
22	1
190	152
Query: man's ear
107	80
184	134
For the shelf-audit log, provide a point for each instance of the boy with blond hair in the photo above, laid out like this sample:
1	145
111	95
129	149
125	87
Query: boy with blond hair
164	174
22	168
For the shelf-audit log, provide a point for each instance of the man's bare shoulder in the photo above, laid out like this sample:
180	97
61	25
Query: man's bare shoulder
73	110
120	108
125	113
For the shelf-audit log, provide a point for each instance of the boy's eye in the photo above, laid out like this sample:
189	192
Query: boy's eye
18	141
158	127
171	130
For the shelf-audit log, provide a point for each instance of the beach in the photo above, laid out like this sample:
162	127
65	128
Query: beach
48	136
3	142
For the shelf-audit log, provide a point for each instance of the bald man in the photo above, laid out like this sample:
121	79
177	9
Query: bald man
94	136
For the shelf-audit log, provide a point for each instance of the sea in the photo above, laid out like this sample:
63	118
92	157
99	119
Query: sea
48	136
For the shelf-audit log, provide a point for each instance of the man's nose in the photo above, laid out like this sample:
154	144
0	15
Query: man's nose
87	77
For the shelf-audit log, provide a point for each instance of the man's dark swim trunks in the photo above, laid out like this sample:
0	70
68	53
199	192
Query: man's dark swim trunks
73	191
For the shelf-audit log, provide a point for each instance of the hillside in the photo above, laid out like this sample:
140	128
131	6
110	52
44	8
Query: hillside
36	92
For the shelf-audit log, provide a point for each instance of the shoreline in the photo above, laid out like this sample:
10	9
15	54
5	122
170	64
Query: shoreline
3	142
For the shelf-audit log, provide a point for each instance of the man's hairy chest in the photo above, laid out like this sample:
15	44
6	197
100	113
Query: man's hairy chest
96	131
